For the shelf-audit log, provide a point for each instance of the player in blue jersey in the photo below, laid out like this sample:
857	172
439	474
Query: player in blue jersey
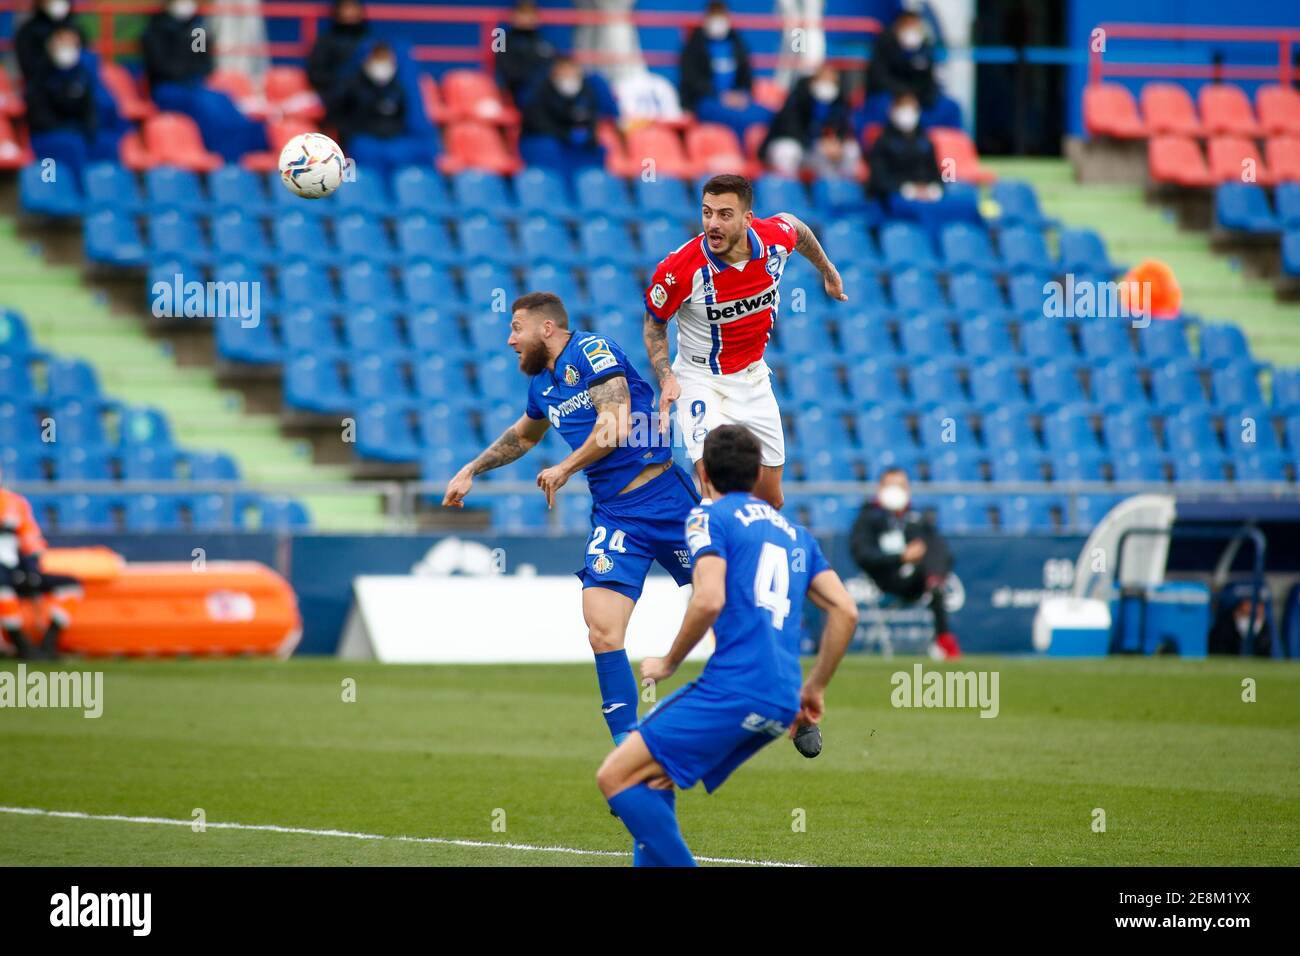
752	571
583	384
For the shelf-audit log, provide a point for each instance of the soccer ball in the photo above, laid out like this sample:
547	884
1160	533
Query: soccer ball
311	165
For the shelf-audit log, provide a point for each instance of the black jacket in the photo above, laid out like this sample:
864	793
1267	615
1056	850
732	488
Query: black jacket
796	118
894	70
57	99
897	157
169	54
30	40
569	118
523	64
331	54
370	110
696	68
874	543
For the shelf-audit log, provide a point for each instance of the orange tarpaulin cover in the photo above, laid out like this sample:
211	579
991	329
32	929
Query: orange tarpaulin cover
1166	296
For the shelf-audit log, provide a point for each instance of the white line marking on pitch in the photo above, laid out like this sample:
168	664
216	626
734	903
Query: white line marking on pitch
347	834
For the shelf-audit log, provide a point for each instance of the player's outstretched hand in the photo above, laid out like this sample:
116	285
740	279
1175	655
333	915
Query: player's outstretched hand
671	391
550	481
835	285
812	707
657	669
458	488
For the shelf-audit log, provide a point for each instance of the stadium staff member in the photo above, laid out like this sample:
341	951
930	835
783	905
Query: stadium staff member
812	130
526	57
904	554
559	121
31	42
332	59
21	547
716	77
379	129
177	67
902	61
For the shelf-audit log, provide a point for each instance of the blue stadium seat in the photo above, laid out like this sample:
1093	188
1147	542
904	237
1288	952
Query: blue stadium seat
965	514
967	246
1286	389
1016	464
315	385
660	235
877	380
15	376
112	186
483	238
1260	466
428	285
370	330
830	464
80	423
1090	509
142	425
71	378
865	336
301	237
519	514
601	194
40	195
1164	340
252	345
304	329
975	293
602	239
235	234
148	463
1191	430
994	383
916	291
489	285
1078	466
1027	514
1244	207
168	188
1176	384
904	245
153	513
802	334
956	464
1018	204
1046	339
1139	464
483	192
238	270
1105	339
943	426
499	378
1056	383
1208	465
89	512
77	463
926	338
18	424
362	236
438	464
1291	252
773	194
1223	344
1236	384
443	424
986	337
421	236
936	383
1025	291
1287	198
421	189
441	376
848	241
614	288
839	197
1130	429
1115	382
816	428
112	238
1084	253
279	513
543	276
882	427
489	331
209	513
622	327
1067	430
367	283
1249	430
1009	428
1024	251
385	432
545	239
367	194
664	196
210	466
15	339
544	191
234	186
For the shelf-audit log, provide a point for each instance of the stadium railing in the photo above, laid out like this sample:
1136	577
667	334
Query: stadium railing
1283	38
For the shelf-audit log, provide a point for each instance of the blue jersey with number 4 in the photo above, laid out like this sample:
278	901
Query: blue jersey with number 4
561	396
770	563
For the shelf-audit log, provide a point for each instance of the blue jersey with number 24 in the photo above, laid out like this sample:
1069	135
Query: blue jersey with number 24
770	563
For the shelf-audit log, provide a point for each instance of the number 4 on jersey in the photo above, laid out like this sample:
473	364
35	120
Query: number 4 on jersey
772	583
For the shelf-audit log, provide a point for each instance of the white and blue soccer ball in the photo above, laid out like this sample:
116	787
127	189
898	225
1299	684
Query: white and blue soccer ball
311	165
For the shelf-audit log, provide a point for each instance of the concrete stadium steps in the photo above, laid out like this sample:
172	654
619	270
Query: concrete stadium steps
1213	285
72	319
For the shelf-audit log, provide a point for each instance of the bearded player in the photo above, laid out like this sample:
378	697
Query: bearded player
723	287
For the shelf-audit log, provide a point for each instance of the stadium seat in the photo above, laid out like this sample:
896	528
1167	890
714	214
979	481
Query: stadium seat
477	191
1231	157
288	89
956	147
558	279
876	380
1084	252
361	236
987	338
1248	430
370	330
367	283
1225	110
802	334
385	432
1028	514
1178	160
1282	156
1163	340
418	189
306	329
545	239
1116	383
40	195
112	238
955	464
614	288
367	194
422	236
519	514
966	246
1236	384
847	240
303	234
1208	465
975	293
1106	339
924	338
148	463
169	139
1167	108
714	148
1279	109
1138	465
1191	430
238	187
79	423
1055	384
1291	252
916	291
15	339
604	239
425	284
1072	466
252	345
144	426
965	514
1177	383
1260	466
1016	464
1009	428
168	188
666	196
936	383
1130	429
174	233
995	384
315	385
882	427
279	513
473	95
1090	509
601	194
1046	339
208	466
1286	395
1018	206
1109	109
235	234
302	284
112	185
660	143
1026	293
543	191
476	146
904	245
75	463
1244	206
70	378
490	285
838	197
131	104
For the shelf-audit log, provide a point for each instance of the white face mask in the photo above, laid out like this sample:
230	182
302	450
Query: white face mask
911	38
569	86
825	90
715	28
894	497
905	118
183	9
57	9
1244	628
381	71
65	57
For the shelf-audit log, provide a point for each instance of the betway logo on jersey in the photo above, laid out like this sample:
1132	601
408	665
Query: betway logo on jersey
741	307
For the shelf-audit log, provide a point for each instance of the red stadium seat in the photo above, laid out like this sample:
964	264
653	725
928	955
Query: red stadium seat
955	145
1279	109
122	86
1168	108
1110	110
278	132
755	133
14	154
289	91
1231	156
473	95
434	108
1225	110
11	102
169	139
769	93
1177	160
660	143
713	148
239	87
1282	153
476	146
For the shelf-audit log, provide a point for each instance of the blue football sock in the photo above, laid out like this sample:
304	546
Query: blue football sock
617	693
641	856
651	821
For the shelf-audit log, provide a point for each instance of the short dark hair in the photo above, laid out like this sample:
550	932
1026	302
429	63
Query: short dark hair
731	183
548	303
731	458
893	470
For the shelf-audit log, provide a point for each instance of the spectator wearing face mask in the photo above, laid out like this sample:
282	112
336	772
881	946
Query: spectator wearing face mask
525	59
177	71
812	130
1233	630
716	77
905	174
65	109
333	57
376	120
559	122
31	42
905	555
902	61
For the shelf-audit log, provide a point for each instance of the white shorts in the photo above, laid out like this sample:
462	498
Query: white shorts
741	398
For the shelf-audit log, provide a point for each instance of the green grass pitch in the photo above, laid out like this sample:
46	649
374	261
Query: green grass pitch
1185	771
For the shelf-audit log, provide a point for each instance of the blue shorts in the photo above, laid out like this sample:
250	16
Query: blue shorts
701	733
631	531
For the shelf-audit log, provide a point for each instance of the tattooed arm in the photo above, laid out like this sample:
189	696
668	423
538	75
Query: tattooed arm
655	334
513	444
613	403
807	245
